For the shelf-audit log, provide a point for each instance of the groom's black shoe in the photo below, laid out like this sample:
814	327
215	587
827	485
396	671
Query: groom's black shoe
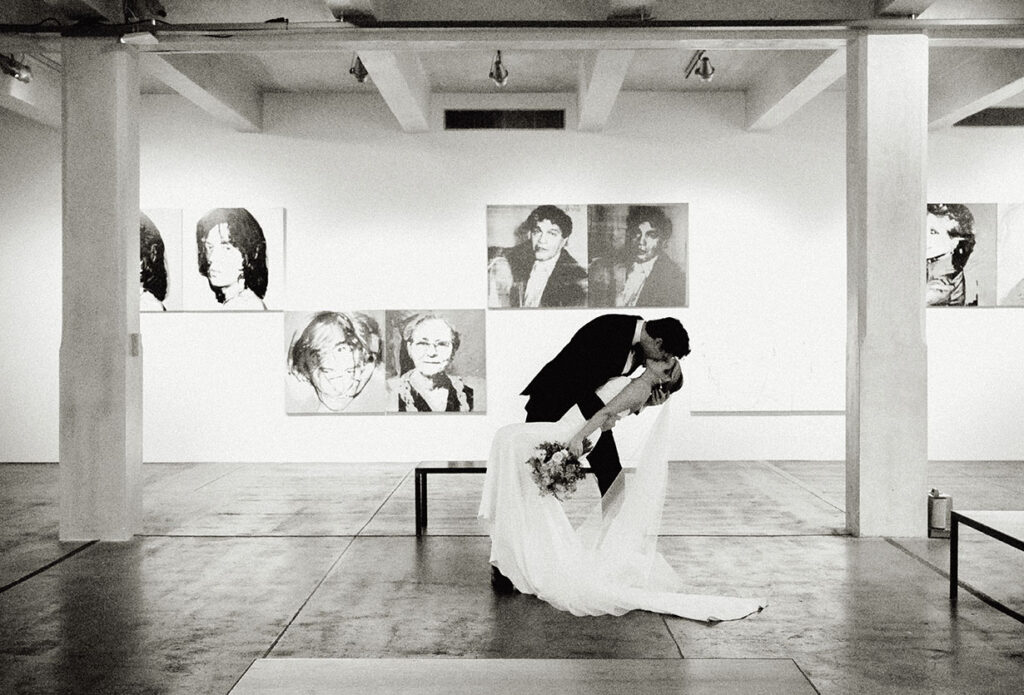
500	583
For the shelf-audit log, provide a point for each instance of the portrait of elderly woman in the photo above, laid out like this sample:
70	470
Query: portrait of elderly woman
238	259
335	362
436	362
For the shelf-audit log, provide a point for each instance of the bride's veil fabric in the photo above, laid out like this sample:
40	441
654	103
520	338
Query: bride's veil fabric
622	530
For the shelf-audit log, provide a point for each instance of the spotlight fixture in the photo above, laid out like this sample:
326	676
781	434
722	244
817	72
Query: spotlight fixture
700	65
498	73
14	68
358	70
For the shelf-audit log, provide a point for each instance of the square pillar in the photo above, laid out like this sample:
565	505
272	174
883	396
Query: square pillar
886	376
100	352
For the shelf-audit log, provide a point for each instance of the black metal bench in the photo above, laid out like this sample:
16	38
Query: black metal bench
1004	526
425	468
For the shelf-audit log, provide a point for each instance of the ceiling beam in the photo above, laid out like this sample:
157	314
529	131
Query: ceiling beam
218	85
787	84
403	84
601	77
39	99
979	81
903	8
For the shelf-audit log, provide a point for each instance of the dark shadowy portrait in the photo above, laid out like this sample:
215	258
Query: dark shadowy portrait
638	255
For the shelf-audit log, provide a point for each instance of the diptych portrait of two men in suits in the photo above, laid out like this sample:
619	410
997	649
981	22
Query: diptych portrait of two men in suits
542	256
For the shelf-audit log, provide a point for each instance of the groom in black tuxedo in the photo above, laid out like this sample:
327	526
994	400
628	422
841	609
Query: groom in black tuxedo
608	346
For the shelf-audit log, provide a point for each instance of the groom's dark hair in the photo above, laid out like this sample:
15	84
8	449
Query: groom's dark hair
674	338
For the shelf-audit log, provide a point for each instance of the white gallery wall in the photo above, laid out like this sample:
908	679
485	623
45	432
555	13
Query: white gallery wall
379	219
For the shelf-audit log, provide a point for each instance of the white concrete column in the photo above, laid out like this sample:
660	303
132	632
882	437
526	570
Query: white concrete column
886	383
100	360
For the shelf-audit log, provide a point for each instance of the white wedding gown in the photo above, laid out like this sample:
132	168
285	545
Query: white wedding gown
610	563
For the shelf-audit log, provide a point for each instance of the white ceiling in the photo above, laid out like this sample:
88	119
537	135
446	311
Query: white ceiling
443	55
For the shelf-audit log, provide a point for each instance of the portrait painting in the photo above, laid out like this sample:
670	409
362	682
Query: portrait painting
234	259
960	254
334	362
160	280
436	361
638	255
536	256
1010	255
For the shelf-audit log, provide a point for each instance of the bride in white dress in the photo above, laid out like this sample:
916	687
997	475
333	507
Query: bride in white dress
610	563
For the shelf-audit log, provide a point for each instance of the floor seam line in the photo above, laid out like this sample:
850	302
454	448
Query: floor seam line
48	565
307	599
386	499
788	476
211	482
664	620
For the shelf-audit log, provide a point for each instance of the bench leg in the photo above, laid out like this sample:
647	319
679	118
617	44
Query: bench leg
954	556
421	502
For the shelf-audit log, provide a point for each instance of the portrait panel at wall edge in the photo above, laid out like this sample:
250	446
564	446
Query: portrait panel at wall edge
160	279
960	254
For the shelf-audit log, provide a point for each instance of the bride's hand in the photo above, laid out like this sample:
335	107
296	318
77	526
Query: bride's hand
576	445
658	395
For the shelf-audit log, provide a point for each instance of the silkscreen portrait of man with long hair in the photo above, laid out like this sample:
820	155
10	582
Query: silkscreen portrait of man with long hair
234	259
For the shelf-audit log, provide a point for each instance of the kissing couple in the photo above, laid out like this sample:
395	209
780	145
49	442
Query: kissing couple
609	564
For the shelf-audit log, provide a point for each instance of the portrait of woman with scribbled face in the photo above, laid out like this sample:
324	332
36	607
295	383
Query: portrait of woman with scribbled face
335	357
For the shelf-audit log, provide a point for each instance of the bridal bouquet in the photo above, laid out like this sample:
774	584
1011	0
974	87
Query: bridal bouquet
556	470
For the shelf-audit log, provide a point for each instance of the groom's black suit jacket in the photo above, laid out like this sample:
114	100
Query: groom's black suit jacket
595	354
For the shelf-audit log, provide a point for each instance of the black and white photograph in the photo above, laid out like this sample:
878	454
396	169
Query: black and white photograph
436	361
734	408
638	255
160	280
536	256
1010	255
234	259
960	254
335	362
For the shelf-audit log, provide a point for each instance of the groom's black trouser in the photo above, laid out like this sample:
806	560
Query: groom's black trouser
603	458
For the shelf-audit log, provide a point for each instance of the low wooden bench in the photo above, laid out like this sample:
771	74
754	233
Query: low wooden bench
425	468
1004	526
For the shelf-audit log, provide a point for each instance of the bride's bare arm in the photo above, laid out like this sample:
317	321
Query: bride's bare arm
634	395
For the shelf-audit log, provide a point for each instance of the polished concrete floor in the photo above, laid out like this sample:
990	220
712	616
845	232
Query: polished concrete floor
246	563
